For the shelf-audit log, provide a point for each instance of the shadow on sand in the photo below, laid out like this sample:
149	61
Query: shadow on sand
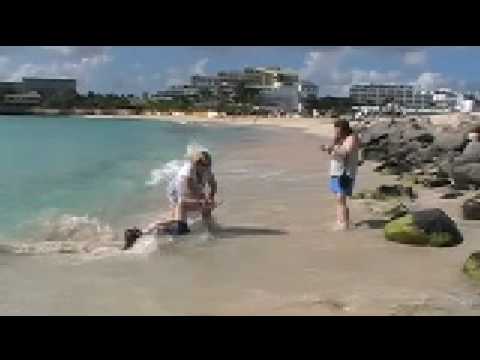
372	224
236	231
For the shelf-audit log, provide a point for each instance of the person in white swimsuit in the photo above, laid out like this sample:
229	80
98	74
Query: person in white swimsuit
187	191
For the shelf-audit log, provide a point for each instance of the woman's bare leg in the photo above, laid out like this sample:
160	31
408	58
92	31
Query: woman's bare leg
343	214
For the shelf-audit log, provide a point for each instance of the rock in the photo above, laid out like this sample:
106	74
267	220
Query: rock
450	141
396	211
451	195
471	209
472	266
403	230
434	183
466	174
425	138
471	153
375	153
426	227
397	190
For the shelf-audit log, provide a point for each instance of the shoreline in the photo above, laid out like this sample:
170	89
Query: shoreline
322	126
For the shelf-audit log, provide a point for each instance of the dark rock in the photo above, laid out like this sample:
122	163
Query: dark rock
471	209
465	174
472	266
375	153
425	138
450	141
385	191
451	195
434	183
426	227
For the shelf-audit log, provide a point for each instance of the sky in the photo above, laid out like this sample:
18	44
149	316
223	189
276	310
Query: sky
124	70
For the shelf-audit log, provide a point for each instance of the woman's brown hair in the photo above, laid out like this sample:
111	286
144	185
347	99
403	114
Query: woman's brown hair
345	130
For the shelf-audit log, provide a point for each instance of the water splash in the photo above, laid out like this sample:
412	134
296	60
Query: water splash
167	172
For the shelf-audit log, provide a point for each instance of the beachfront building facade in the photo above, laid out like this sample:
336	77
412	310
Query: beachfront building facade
447	99
46	88
10	87
175	92
406	96
32	98
268	87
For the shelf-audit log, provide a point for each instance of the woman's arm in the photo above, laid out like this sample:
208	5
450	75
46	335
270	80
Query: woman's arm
349	145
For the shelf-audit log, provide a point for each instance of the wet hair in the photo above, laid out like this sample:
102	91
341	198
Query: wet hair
202	156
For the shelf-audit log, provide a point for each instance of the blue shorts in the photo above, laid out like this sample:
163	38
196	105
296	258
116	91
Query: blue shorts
337	188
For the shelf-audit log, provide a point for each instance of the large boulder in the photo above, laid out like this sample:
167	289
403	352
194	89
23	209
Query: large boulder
450	141
466	174
430	227
471	209
472	266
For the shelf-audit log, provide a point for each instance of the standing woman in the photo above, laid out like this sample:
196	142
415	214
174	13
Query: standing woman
343	168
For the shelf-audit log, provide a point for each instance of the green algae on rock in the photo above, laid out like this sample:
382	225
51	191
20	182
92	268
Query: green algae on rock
430	227
472	266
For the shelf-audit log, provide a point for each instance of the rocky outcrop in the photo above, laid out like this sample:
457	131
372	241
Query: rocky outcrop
442	156
430	227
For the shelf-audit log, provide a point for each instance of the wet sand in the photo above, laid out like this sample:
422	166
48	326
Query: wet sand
274	254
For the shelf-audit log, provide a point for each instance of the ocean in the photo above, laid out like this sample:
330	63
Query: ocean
111	173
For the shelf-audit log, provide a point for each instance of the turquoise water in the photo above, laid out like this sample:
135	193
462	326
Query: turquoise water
95	167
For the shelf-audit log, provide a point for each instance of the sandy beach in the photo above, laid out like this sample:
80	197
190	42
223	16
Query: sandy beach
311	269
275	252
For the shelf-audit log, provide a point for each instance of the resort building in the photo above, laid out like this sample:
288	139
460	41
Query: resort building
47	88
176	92
51	87
31	99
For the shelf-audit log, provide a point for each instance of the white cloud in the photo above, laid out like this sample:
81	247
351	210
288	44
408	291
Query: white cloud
321	64
415	57
80	69
431	81
323	68
181	75
199	67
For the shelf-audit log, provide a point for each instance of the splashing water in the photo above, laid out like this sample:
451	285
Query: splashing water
168	171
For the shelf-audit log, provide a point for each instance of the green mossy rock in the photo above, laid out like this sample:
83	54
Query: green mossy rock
431	227
404	231
472	266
